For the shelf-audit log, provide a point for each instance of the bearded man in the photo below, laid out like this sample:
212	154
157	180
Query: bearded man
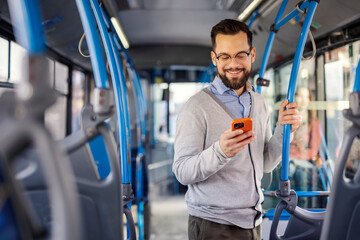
223	168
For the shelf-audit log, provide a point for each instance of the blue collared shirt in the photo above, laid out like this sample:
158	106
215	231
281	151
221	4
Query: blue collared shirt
239	105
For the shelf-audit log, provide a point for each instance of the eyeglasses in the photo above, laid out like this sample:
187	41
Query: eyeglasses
240	57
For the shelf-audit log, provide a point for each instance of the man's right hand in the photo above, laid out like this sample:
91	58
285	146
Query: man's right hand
232	142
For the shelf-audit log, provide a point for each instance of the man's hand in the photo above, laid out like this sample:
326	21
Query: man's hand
290	116
232	142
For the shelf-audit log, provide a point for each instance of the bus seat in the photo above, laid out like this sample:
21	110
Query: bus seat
343	218
100	199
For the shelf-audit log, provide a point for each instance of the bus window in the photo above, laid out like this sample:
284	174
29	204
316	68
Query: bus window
4	59
61	78
78	94
268	92
17	53
55	118
340	65
180	93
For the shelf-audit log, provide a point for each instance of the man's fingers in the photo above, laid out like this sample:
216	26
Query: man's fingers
228	130
231	134
240	145
283	105
291	111
292	105
241	137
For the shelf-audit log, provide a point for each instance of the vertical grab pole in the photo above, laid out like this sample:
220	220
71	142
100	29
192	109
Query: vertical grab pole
357	78
270	43
254	15
30	36
119	94
93	42
285	183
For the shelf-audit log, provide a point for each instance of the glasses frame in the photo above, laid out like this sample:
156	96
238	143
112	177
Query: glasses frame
231	57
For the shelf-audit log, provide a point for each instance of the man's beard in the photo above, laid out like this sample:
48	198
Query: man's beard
235	83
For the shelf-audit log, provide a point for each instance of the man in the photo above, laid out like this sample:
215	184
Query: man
223	168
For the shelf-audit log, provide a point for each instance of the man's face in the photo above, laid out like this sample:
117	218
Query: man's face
233	57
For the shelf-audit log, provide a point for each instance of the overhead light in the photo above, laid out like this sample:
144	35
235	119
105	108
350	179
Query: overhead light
249	9
120	32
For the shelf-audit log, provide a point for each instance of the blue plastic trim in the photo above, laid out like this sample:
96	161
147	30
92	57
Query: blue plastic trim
100	156
292	86
26	17
357	78
291	15
8	224
94	44
118	92
269	44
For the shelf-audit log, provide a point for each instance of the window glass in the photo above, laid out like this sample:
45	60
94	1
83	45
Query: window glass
17	54
61	77
55	118
340	66
78	91
17	69
268	92
4	59
179	94
51	67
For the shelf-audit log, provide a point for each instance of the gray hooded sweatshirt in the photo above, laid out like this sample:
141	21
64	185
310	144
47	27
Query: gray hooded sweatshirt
221	189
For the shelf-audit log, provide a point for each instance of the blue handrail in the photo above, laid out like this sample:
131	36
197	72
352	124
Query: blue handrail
269	44
291	15
357	78
253	17
28	14
142	102
94	44
118	91
292	86
278	23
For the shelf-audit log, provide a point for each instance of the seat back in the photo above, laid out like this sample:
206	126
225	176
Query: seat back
100	199
343	218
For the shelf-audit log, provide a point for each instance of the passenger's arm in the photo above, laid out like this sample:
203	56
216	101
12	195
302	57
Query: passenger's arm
193	163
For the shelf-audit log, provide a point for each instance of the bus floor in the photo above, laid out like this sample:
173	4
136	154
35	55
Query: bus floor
168	219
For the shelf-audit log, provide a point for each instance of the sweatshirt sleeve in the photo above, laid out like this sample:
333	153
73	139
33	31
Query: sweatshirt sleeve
193	163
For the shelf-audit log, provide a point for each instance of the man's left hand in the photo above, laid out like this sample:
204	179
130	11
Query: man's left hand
290	115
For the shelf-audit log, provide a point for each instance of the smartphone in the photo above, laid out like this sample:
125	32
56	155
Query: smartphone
244	124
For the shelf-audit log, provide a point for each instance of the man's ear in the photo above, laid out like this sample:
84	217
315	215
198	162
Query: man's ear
253	54
213	58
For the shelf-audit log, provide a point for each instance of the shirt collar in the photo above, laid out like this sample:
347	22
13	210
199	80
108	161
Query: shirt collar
221	88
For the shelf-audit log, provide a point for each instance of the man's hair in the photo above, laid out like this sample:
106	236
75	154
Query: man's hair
230	27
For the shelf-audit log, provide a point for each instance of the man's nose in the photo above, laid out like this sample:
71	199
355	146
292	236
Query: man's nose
234	62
